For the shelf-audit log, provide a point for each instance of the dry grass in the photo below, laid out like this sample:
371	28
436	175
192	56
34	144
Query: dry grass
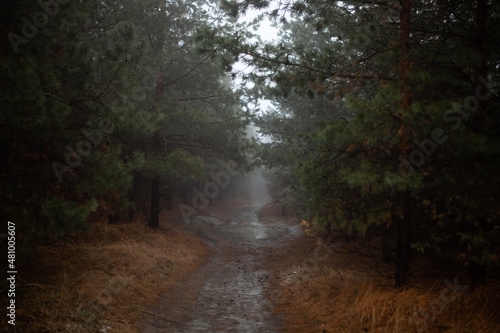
102	281
335	296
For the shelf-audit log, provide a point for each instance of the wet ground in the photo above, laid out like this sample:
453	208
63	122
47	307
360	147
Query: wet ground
233	291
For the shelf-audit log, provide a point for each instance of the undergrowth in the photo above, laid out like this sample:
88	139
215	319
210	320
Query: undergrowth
102	281
336	295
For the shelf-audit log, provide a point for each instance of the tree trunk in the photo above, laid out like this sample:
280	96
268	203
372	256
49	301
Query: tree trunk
477	275
168	195
154	219
405	68
132	194
481	67
402	276
386	249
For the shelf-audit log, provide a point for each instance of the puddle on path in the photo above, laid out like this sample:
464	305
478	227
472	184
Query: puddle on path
247	232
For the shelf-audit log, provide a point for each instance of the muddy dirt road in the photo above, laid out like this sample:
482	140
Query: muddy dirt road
233	291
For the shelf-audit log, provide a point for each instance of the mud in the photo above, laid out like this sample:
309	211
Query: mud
233	291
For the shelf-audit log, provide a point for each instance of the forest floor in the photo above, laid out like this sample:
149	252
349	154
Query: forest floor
240	267
102	281
297	283
345	287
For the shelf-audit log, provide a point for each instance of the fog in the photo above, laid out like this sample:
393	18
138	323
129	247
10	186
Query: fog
253	187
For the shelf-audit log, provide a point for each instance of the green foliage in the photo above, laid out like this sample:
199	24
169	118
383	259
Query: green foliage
369	161
60	217
85	99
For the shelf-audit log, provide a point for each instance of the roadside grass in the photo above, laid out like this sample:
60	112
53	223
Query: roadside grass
104	280
343	294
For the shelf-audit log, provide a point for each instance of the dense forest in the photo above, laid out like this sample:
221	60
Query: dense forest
383	121
101	98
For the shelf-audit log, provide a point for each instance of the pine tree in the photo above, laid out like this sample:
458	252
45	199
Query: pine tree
399	69
80	106
197	115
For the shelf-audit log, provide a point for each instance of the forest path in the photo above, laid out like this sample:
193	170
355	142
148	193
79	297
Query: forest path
232	292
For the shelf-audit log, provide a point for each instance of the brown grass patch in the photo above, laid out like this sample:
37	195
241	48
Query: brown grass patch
104	280
343	295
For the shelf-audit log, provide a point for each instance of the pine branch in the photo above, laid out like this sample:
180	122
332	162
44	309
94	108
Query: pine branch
328	73
194	145
196	98
390	47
